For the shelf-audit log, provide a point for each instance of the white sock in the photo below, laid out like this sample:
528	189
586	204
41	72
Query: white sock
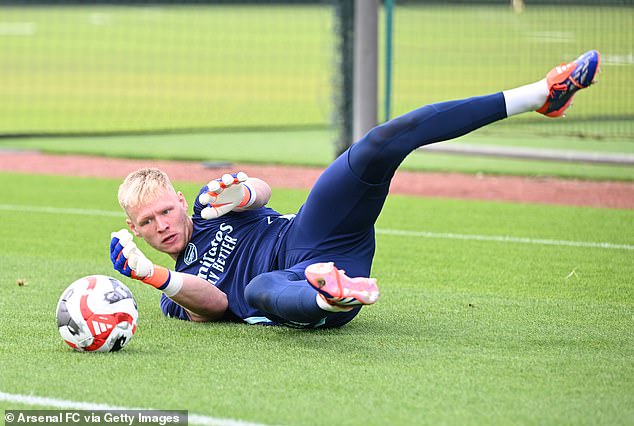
321	302
526	98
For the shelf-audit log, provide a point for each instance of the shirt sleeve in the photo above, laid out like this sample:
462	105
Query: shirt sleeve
172	309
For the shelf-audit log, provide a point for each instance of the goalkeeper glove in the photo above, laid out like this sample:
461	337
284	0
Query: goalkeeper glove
130	261
226	194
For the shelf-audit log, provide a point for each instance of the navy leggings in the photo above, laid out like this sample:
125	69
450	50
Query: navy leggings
337	221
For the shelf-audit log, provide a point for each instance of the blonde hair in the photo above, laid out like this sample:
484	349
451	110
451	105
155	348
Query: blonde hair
143	186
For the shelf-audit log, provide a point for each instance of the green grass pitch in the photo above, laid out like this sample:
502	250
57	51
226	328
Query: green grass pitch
468	331
491	313
101	68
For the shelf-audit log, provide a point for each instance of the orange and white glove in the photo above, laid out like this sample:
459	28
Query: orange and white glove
130	261
226	194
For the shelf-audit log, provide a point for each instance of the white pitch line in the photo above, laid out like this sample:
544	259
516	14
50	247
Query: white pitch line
505	239
396	232
18	28
193	419
56	210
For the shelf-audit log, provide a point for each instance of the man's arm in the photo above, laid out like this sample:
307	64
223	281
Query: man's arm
203	301
262	191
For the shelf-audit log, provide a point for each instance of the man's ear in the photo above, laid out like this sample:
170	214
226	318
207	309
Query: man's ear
182	200
132	227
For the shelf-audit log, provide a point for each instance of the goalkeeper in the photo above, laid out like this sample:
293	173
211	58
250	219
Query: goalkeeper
237	259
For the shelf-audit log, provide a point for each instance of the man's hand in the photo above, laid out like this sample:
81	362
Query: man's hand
226	194
127	258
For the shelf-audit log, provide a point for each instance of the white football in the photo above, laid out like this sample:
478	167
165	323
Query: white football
97	313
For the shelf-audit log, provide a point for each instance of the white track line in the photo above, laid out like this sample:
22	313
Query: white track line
395	232
193	419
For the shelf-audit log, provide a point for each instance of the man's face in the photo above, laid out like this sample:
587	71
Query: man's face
163	223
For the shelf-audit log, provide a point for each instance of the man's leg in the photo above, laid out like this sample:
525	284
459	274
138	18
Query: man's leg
349	195
287	298
378	154
339	214
375	158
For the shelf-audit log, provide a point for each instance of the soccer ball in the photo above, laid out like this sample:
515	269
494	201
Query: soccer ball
97	313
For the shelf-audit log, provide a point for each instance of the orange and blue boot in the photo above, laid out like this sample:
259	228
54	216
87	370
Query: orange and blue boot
566	79
337	289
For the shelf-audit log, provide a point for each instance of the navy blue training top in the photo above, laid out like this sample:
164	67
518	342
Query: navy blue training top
229	252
